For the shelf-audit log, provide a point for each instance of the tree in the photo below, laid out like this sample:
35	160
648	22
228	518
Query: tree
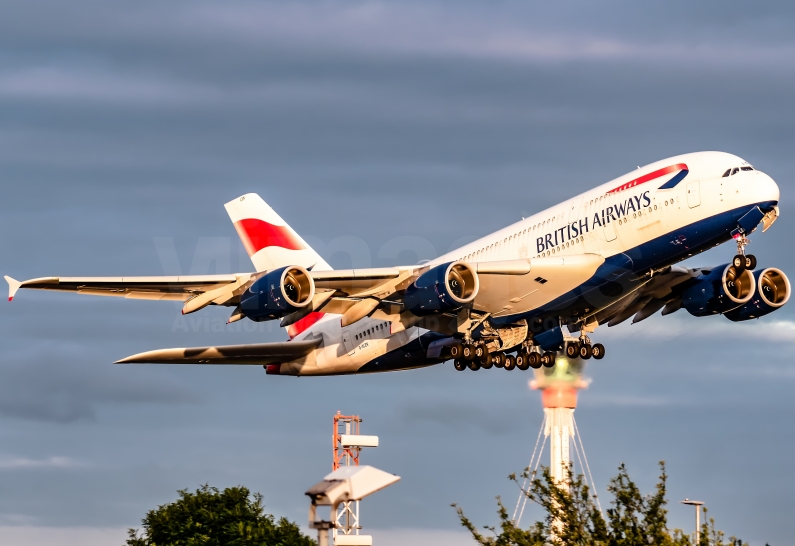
209	517
572	516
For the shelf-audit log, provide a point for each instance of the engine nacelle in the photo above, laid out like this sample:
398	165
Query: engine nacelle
722	290
772	291
278	293
446	287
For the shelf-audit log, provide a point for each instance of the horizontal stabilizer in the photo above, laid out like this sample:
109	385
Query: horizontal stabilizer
259	354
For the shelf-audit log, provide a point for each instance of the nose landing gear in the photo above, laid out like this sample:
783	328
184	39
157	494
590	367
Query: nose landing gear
743	261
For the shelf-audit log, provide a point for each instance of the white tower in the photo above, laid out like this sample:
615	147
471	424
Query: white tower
558	386
559	427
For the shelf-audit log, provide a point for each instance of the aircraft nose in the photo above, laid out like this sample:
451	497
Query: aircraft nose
768	189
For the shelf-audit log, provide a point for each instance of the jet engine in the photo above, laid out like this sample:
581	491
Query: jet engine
772	291
446	287
721	290
278	293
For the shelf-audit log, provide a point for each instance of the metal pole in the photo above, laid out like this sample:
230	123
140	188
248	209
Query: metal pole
698	525
697	505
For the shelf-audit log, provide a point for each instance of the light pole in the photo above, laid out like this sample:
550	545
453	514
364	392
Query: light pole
697	504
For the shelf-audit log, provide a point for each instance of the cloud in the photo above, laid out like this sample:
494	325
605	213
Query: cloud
605	399
659	328
15	463
455	415
29	535
423	29
55	383
420	537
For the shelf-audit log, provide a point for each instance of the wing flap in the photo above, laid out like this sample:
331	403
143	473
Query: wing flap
258	354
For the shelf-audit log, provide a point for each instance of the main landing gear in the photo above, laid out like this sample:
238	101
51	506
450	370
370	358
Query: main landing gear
478	356
583	349
743	261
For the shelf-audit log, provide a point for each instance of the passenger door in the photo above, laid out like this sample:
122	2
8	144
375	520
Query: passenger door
693	194
347	342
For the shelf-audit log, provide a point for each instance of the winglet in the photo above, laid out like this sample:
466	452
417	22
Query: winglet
13	286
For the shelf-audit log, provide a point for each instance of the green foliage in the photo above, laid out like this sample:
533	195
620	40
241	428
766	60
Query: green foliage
209	517
574	518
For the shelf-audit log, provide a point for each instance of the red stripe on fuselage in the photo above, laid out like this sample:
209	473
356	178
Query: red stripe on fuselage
303	324
649	177
257	234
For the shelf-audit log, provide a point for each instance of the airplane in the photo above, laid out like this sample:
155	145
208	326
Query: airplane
520	297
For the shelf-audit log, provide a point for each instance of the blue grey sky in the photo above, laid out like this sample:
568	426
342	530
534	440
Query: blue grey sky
385	133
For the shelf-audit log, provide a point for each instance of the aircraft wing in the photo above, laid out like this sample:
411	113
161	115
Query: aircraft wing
518	286
218	289
258	354
506	287
662	291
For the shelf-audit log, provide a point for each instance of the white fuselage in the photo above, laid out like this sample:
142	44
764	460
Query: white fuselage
626	213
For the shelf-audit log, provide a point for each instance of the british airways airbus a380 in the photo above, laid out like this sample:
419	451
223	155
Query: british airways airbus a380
514	299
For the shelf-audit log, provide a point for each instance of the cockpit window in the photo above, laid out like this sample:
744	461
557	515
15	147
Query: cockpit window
735	170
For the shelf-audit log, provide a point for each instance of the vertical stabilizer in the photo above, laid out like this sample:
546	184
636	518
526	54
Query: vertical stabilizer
269	241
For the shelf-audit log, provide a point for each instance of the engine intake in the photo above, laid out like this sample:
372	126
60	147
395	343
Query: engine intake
772	291
446	287
720	291
278	293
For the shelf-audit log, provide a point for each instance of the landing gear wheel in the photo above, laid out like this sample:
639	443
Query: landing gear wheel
474	365
585	351
468	352
750	261
460	365
498	359
510	362
534	360
455	350
488	363
573	349
482	354
598	351
739	262
548	360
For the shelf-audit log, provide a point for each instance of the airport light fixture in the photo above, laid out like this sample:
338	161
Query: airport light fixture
346	484
698	505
